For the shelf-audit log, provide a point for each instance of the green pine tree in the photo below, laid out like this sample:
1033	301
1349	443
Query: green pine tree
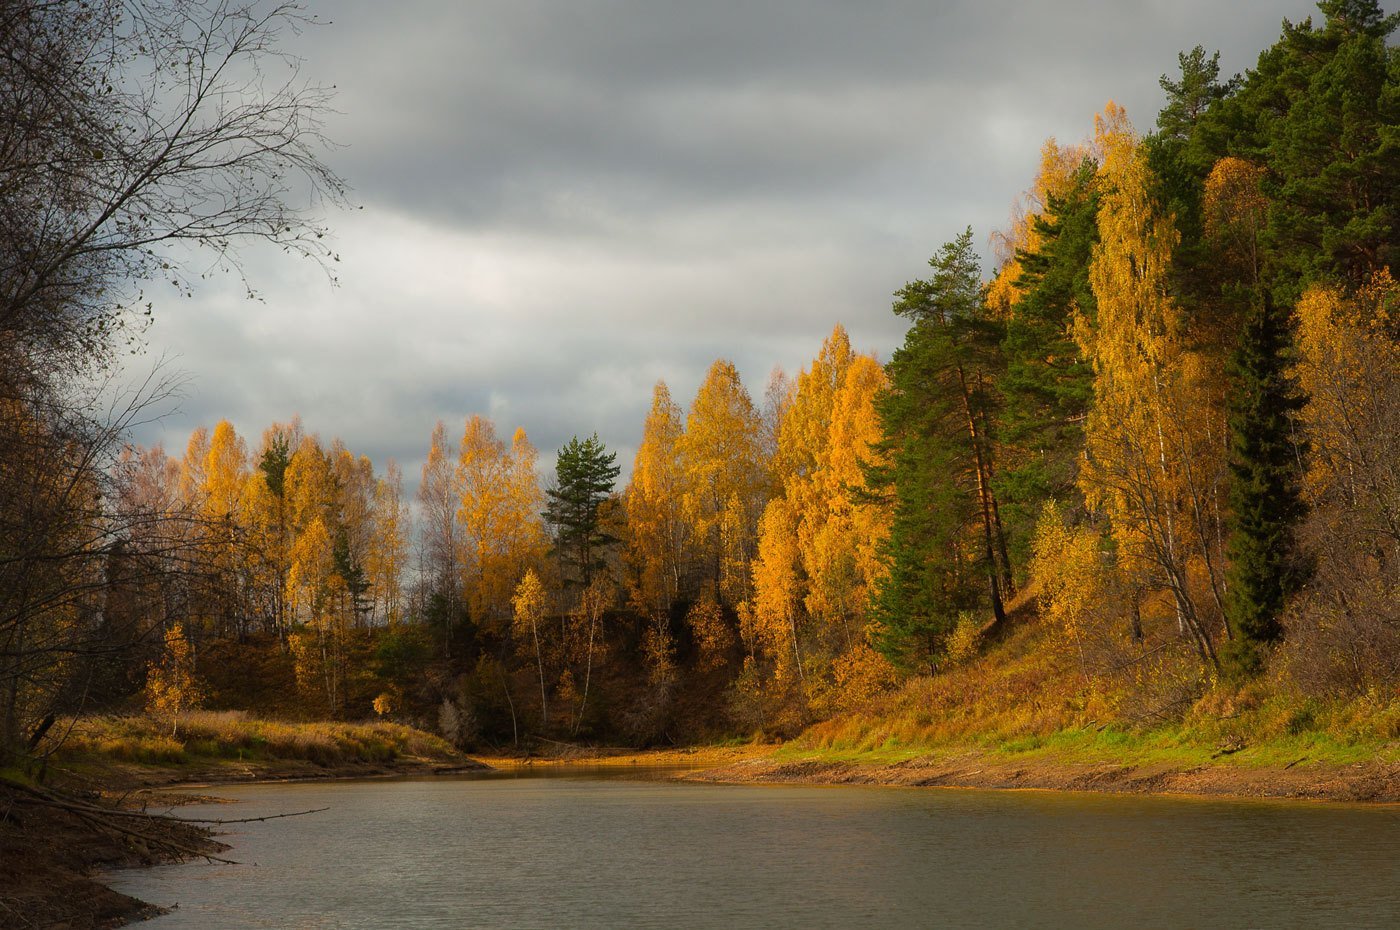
946	552
1320	111
584	476
1264	488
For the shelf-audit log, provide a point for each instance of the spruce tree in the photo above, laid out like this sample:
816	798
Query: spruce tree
1264	568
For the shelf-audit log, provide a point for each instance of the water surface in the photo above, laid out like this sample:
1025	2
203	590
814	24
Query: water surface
592	849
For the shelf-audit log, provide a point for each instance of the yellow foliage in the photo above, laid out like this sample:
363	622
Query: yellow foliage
723	474
529	604
861	673
1057	167
1070	572
770	625
712	635
171	685
656	525
1154	439
1235	210
1349	367
659	654
818	542
388	553
499	515
965	641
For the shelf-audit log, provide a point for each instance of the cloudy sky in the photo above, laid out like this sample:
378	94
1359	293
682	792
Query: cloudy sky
565	201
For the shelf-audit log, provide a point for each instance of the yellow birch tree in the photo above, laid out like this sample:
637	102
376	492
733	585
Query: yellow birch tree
1152	446
656	525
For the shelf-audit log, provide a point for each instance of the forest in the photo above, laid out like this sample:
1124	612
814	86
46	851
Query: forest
1160	438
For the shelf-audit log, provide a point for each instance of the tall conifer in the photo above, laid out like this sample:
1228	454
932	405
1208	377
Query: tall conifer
1264	487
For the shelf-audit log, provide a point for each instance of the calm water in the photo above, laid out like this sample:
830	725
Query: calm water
590	849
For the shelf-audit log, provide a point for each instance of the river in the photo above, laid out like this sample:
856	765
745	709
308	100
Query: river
602	848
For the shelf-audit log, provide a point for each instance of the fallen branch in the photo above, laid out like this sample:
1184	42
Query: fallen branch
76	806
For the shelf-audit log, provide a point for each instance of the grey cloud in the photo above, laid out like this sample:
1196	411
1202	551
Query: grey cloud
567	201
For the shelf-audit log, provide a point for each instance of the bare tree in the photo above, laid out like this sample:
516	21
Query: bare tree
130	126
137	137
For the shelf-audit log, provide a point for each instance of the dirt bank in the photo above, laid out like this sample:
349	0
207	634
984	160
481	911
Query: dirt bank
1369	781
48	855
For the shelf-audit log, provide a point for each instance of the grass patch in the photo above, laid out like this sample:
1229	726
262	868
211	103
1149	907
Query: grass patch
207	736
1023	700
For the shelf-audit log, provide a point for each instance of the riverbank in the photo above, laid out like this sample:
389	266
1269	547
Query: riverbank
108	769
124	754
1134	770
50	850
1371	781
689	758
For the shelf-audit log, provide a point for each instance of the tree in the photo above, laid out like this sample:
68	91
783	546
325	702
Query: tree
171	685
1349	368
814	567
132	134
1151	462
724	479
584	476
388	554
945	539
130	127
529	610
1265	494
1318	111
225	473
1189	98
266	509
769	623
441	538
1046	388
656	525
587	635
499	514
1061	170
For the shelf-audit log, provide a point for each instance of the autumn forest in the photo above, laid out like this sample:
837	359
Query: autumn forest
1148	461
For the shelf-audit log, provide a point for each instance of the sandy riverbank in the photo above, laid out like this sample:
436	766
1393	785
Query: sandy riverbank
1376	782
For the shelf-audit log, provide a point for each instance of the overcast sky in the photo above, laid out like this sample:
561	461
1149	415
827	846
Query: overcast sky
565	201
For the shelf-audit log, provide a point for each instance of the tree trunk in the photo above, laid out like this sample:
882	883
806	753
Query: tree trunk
984	498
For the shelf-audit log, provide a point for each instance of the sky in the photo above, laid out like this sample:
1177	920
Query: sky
561	203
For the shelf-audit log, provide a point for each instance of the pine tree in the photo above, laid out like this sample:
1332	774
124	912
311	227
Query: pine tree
1264	487
584	476
1189	98
945	546
1319	112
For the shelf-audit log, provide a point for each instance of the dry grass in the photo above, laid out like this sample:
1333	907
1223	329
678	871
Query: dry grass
1027	698
209	735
